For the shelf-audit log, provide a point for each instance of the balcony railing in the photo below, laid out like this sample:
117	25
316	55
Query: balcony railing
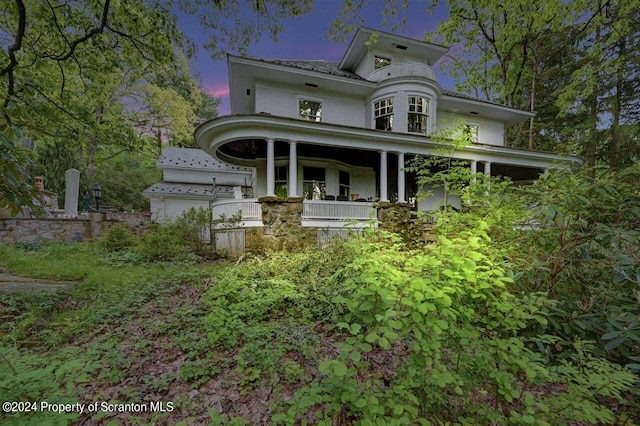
336	213
225	211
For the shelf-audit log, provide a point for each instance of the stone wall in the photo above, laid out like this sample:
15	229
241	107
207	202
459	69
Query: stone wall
83	228
282	219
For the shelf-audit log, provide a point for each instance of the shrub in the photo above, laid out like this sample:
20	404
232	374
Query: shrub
118	238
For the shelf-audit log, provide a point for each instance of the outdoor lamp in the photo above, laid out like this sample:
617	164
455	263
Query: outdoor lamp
97	194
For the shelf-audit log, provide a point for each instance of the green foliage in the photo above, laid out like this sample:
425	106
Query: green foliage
118	238
583	252
452	334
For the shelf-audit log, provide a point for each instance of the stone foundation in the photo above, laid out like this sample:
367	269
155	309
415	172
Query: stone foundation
282	219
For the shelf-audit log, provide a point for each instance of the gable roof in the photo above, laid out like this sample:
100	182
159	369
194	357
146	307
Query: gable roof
191	158
317	65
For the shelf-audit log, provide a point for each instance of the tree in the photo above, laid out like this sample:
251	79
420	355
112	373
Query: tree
106	77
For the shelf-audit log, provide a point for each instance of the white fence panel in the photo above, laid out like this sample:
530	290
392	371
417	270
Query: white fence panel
230	242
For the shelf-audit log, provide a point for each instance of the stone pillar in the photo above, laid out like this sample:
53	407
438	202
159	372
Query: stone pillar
72	181
401	182
293	170
271	169
384	193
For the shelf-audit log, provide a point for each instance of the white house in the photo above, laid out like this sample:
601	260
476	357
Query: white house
191	178
337	135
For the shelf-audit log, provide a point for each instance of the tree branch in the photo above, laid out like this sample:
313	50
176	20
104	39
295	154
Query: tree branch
15	47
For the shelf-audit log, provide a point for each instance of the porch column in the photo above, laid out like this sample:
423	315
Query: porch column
293	170
487	169
474	170
271	169
383	176
401	183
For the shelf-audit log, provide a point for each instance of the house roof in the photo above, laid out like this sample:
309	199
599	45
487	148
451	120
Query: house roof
192	189
389	42
190	158
322	66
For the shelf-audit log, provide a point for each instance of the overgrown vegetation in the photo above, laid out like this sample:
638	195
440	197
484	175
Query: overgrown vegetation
467	330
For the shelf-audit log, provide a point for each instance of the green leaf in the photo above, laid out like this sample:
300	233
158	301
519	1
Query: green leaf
340	369
615	343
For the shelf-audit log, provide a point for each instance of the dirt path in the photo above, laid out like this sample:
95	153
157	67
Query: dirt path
9	282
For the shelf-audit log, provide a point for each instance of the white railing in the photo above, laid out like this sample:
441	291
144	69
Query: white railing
337	210
249	207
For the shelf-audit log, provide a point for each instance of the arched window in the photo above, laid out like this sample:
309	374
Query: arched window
417	115
383	113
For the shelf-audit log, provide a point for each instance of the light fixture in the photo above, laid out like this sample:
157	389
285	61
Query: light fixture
97	194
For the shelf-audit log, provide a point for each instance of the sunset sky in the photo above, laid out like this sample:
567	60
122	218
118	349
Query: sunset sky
305	38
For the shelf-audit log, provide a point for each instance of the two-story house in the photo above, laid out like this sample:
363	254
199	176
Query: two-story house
338	135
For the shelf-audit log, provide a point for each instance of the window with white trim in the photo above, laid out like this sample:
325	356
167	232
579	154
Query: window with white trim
418	114
383	113
471	131
314	184
310	110
344	183
281	188
380	62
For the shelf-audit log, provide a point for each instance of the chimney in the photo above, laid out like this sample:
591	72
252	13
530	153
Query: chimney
39	182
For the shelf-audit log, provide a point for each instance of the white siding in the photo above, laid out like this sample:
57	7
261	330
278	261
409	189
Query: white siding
490	132
336	109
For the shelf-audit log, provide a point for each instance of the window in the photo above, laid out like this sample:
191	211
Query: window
310	110
281	188
314	185
418	113
344	180
471	131
380	62
383	113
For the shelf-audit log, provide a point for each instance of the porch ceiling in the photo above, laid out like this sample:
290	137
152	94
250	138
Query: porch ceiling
239	140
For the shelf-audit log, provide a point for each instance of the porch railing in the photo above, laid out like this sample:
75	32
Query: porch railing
250	209
337	211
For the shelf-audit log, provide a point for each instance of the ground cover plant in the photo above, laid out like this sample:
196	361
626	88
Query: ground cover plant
378	330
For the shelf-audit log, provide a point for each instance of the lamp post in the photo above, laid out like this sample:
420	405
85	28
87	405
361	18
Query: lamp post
97	194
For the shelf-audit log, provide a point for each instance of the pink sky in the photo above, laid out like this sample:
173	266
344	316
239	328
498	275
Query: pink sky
305	39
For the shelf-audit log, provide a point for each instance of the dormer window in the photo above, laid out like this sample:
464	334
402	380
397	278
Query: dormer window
310	110
418	113
383	113
471	131
380	62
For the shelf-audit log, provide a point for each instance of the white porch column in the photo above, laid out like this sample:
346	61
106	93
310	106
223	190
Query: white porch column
487	169
383	176
474	170
401	182
293	170
271	169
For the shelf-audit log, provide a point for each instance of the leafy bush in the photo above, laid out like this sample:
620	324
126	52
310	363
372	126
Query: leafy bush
436	335
118	238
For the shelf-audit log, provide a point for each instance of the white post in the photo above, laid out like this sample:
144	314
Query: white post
401	183
487	169
293	170
383	176
271	169
474	170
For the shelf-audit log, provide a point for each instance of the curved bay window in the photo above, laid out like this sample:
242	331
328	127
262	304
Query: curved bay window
383	113
418	113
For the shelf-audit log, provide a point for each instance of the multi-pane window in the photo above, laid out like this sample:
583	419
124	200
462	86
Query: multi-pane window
383	113
314	185
281	181
344	180
471	131
418	114
380	62
310	110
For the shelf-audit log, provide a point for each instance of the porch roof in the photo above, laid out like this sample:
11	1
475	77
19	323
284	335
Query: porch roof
243	136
